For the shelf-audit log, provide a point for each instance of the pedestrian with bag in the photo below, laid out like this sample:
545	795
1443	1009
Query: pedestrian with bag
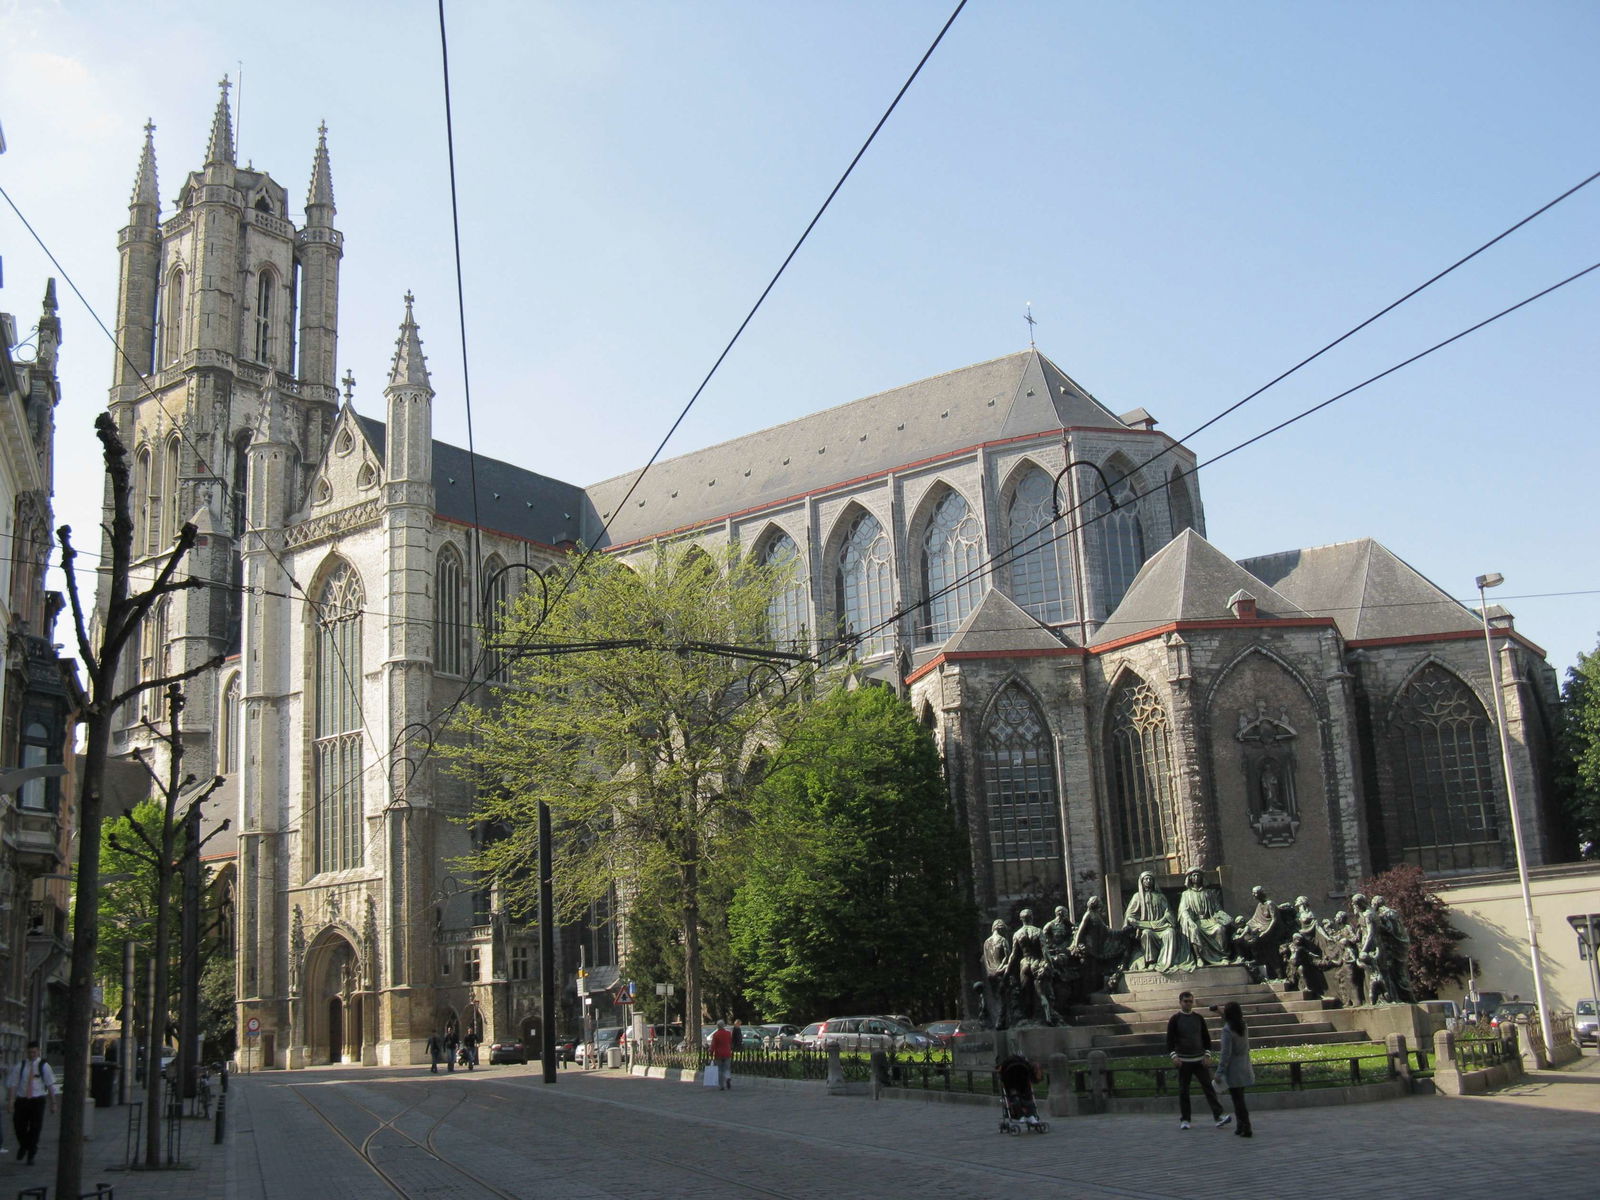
1233	1064
30	1085
722	1055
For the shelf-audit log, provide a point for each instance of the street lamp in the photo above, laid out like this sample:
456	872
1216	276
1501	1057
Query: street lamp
1494	579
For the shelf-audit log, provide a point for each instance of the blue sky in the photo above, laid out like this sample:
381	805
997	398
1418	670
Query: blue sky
1193	197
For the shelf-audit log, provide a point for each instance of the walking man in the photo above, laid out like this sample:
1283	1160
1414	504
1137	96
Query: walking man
722	1055
29	1085
1189	1044
435	1051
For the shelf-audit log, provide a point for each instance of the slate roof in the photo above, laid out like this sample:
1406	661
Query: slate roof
1189	579
999	626
511	499
1023	393
1368	590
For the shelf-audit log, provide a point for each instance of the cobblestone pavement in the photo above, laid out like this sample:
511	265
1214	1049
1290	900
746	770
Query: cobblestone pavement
500	1132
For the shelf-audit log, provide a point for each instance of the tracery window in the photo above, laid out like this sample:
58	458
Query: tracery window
1041	563
168	506
1120	537
266	285
450	614
1180	502
337	746
496	594
951	555
228	729
1020	796
863	586
786	611
1144	795
172	319
146	503
1446	811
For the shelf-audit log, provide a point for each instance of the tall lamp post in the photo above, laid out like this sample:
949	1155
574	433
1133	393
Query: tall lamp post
1494	579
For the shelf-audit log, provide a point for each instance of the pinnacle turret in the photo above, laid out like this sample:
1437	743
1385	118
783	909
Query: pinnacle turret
145	204
221	147
410	368
319	198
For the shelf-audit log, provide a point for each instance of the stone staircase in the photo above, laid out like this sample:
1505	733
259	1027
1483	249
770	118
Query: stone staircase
1133	1023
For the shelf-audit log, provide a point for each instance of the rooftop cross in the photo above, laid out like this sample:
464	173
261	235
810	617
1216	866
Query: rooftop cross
1028	317
349	382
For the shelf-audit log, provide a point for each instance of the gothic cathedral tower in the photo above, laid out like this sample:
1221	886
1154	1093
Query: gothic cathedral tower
226	312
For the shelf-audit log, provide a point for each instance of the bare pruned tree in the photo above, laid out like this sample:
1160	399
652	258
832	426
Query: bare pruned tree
124	613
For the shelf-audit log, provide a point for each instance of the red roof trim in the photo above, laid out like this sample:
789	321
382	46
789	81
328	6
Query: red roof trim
1219	623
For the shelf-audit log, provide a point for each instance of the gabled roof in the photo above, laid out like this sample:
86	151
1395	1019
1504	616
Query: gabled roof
1189	579
998	626
1367	590
1019	394
511	499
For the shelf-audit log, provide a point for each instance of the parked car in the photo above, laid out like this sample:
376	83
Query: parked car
781	1037
944	1033
870	1033
1519	1011
806	1039
607	1037
507	1052
566	1049
1481	1007
1444	1008
1584	1023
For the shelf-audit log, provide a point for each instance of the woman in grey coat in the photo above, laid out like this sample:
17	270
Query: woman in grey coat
1233	1064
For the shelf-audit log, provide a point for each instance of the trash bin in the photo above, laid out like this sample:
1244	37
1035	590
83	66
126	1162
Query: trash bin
613	1057
103	1082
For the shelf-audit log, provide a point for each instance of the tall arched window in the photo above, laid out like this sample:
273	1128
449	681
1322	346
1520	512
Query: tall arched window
1179	501
786	611
1144	795
450	614
951	554
172	319
228	731
1446	812
266	286
1019	790
38	794
1120	535
146	502
1041	564
496	594
337	748
863	588
168	531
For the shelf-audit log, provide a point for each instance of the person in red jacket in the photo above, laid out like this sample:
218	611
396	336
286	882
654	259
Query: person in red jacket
722	1055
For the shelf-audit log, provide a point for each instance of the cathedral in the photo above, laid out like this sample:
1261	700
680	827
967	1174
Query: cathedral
1114	695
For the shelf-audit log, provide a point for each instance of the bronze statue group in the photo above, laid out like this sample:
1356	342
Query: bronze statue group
1034	975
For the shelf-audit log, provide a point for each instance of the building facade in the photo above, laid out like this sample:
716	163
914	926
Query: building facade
1112	693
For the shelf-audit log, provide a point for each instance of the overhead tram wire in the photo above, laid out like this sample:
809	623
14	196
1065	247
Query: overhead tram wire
1006	556
199	457
472	684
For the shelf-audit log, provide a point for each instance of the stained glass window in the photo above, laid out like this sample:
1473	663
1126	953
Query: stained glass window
337	745
1019	788
863	587
951	555
1143	792
1041	562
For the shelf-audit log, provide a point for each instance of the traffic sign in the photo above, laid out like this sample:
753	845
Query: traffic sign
253	1025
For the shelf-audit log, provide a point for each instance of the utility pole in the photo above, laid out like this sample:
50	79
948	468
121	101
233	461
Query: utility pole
189	951
547	950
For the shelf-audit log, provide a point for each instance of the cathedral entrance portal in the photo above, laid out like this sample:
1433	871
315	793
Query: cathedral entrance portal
335	998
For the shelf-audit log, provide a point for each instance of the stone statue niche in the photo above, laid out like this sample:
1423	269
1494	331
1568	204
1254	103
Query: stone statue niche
1267	746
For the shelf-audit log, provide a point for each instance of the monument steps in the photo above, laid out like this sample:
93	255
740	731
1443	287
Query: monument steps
1134	1023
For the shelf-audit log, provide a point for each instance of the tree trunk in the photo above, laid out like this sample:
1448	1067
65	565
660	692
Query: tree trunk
691	951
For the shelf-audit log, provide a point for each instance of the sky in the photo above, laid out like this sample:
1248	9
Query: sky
1192	197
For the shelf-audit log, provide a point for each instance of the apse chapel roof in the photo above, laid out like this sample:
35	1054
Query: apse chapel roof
1368	590
1020	394
510	499
1189	579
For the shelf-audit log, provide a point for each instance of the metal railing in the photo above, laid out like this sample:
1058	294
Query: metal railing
1479	1053
1294	1076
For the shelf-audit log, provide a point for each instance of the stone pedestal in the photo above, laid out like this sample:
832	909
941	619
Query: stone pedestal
1159	983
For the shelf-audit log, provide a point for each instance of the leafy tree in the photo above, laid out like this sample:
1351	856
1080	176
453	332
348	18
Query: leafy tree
1580	707
852	899
655	949
630	716
1433	961
217	1011
128	894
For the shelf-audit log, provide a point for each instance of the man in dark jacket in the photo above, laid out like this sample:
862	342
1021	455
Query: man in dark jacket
1189	1044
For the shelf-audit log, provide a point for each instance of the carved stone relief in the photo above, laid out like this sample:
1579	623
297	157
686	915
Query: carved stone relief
1267	746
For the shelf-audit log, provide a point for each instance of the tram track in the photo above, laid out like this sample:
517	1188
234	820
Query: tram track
394	1179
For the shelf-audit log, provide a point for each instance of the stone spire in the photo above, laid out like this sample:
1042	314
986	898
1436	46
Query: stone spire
49	329
410	368
144	207
319	198
221	148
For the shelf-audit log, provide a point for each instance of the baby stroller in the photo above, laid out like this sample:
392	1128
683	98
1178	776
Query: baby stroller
1017	1108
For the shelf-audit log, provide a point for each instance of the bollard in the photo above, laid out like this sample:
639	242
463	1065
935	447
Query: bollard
222	1121
1399	1058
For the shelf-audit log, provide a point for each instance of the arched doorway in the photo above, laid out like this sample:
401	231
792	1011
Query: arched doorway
333	999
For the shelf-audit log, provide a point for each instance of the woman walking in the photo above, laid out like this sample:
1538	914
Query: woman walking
1233	1064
